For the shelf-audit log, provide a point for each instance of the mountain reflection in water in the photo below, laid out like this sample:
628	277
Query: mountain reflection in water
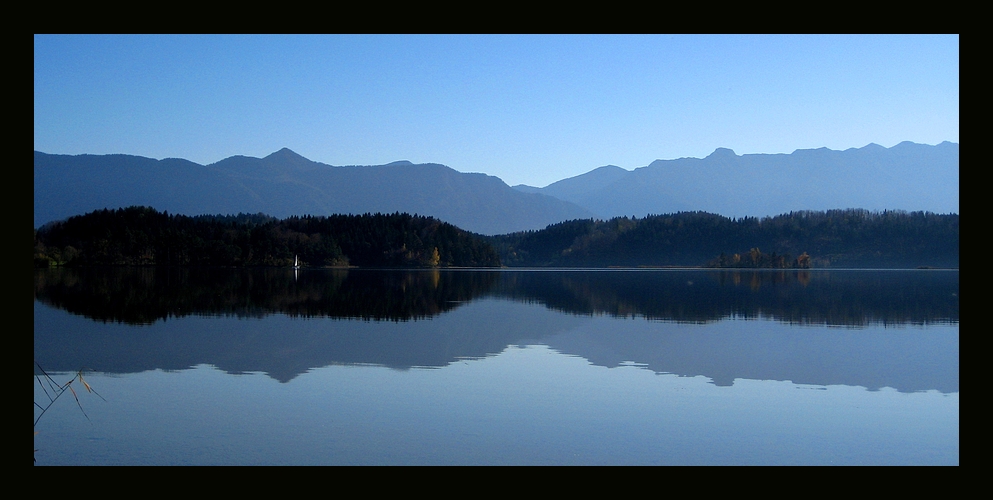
700	322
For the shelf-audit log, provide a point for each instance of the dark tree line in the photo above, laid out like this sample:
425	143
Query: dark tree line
834	238
144	236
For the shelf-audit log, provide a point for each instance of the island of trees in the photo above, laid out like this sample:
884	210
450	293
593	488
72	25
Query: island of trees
807	239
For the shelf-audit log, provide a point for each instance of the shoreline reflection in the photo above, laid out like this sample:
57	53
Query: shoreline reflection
142	296
899	329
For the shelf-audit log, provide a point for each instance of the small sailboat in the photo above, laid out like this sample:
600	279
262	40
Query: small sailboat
296	262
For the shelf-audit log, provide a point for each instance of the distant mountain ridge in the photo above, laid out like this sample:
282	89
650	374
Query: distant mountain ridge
907	176
283	184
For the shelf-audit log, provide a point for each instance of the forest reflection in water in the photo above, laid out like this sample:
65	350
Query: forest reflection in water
432	318
144	295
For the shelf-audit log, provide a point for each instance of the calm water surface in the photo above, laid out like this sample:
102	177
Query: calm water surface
618	367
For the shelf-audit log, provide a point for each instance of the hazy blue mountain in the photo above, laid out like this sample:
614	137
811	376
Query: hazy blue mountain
582	185
907	176
284	184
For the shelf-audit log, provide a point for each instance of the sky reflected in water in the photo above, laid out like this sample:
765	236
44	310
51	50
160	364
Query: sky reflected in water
502	379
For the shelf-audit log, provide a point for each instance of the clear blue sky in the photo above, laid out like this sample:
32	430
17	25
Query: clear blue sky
530	109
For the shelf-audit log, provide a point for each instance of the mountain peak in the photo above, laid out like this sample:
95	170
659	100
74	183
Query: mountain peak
723	153
288	159
285	154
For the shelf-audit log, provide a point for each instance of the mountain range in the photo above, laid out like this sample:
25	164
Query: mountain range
907	176
285	184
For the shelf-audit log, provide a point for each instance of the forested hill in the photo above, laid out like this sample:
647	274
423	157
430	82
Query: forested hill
144	236
833	238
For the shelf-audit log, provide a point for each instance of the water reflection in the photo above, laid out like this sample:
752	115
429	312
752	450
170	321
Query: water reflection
144	295
844	298
724	325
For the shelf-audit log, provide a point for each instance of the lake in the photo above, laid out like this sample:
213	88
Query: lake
498	367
